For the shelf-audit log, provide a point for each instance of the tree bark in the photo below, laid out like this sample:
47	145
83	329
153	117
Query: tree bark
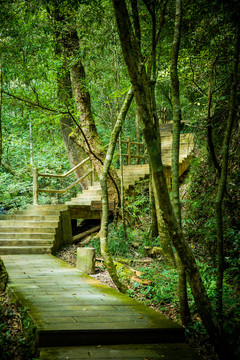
137	75
210	143
154	222
177	116
86	135
224	169
103	181
77	238
65	95
1	138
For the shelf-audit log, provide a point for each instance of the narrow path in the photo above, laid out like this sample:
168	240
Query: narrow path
80	318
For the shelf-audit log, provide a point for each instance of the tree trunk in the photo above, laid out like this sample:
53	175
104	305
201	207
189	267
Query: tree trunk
210	143
1	143
154	222
64	90
103	181
224	169
85	135
176	107
138	79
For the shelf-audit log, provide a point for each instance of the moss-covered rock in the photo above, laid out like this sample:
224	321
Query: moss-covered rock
3	276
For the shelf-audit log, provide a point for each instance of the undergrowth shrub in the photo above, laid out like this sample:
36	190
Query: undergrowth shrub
18	335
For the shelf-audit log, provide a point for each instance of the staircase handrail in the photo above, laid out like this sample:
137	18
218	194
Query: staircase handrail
68	172
36	174
129	155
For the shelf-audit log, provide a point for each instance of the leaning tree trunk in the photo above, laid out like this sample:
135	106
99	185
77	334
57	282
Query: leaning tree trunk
103	181
182	283
132	56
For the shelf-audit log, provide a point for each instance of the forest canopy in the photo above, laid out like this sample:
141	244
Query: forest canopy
68	68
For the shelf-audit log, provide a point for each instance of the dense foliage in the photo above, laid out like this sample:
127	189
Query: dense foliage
31	109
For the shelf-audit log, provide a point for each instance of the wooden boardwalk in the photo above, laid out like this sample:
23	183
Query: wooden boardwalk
78	317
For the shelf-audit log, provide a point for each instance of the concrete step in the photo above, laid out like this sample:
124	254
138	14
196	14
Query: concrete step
50	207
175	351
92	191
86	197
79	202
38	212
142	167
26	236
24	243
28	224
19	217
27	230
17	250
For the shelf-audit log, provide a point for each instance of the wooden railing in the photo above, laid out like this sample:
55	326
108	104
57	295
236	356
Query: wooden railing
128	155
36	175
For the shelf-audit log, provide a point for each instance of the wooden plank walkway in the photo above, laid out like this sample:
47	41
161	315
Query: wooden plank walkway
75	313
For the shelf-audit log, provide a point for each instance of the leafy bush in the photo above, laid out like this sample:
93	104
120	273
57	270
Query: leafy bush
18	336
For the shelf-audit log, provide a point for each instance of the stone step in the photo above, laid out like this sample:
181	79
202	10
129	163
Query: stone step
19	217
94	187
17	250
27	230
107	336
92	191
86	197
38	212
175	351
24	243
133	167
26	236
79	202
28	224
59	207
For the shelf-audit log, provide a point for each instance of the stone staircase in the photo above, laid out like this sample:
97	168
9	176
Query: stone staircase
43	229
40	229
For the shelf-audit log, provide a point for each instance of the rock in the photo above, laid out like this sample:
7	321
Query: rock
86	260
3	276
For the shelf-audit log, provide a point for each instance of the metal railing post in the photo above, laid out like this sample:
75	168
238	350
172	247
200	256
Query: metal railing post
35	186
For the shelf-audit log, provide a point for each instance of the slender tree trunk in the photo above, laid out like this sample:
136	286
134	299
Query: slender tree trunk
103	181
154	222
137	75
182	283
211	148
122	185
1	138
137	135
224	169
